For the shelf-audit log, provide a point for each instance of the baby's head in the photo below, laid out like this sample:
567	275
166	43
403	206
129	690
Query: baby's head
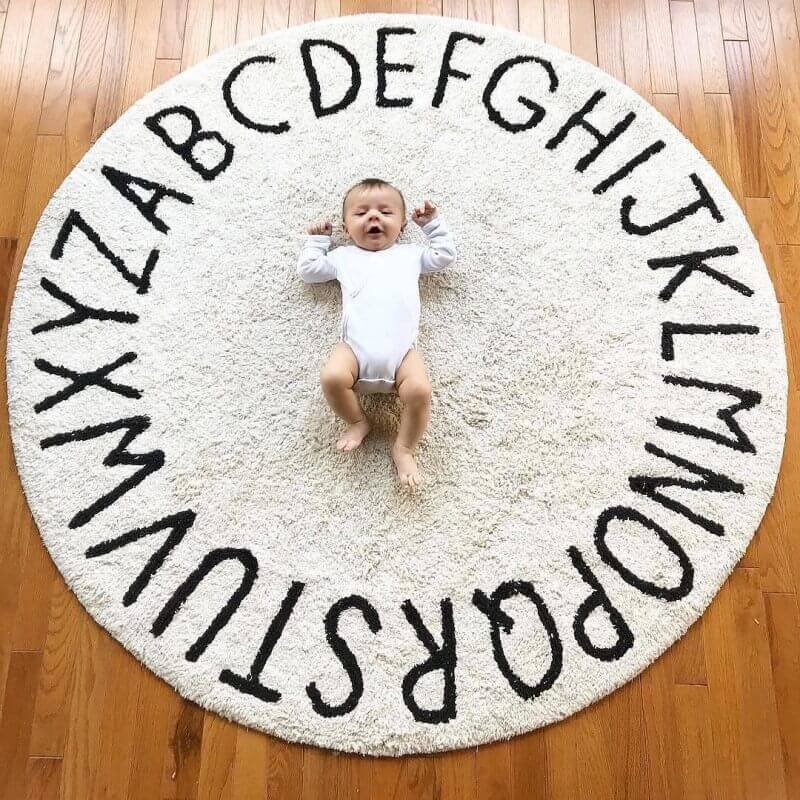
373	205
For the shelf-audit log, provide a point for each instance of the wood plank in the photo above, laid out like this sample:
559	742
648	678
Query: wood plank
198	32
745	119
251	18
12	60
84	718
36	580
688	657
181	774
43	779
789	283
250	760
223	25
724	151
695	742
634	46
661	733
331	8
712	53
743	705
660	49
53	118
454	775
556	23
690	77
144	42
21	142
583	37
216	758
171	28
669	106
319	774
493	771
731	13
609	38
157	710
115	736
783	624
787	51
506	14
15	722
562	742
479	10
276	15
26	573
529	766
80	116
531	18
164	70
57	677
781	152
116	56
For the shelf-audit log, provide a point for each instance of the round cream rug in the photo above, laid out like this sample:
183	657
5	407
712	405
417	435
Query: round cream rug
606	356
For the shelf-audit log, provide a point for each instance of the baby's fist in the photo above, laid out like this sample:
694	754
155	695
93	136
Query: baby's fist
423	214
320	227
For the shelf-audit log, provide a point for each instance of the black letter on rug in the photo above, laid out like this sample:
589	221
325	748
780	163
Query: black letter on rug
251	684
704	201
80	380
344	654
181	595
538	112
712	482
383	67
695	262
443	658
179	523
311	74
152	461
670	593
80	311
748	398
629	166
75	220
122	181
598	599
669	329
184	149
491	606
578	119
241	118
445	70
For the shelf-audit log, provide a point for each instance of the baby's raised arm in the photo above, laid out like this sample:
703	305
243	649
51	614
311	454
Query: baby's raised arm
313	264
441	252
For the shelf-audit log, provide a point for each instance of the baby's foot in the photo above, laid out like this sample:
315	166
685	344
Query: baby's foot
353	436
407	472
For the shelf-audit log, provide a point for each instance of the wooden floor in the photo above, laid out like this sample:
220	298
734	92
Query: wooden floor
718	716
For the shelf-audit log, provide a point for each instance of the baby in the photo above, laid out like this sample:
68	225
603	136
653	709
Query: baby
377	350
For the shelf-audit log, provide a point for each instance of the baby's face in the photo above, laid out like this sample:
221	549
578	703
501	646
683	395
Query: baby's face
373	218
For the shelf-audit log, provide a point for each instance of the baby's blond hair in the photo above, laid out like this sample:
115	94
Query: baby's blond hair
374	183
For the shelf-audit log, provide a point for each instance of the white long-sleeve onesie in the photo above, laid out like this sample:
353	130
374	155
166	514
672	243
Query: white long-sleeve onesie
380	296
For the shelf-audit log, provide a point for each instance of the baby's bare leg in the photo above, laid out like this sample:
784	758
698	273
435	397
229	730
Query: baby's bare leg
337	378
414	390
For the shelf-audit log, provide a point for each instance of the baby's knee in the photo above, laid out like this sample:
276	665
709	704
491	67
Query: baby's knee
335	378
415	390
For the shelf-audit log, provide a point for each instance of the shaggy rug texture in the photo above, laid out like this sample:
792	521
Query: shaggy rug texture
606	356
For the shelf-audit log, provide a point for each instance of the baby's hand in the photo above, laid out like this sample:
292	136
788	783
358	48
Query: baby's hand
422	215
320	227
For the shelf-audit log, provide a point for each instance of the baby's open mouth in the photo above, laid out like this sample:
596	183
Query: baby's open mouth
374	229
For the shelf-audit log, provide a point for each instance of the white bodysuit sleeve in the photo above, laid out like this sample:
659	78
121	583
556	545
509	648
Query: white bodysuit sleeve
314	265
441	252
